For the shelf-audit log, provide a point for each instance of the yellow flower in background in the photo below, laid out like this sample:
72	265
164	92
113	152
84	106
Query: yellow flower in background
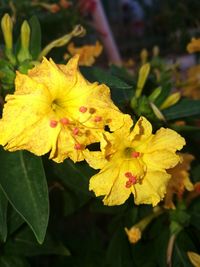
194	45
180	180
87	53
54	108
134	234
192	87
134	162
194	258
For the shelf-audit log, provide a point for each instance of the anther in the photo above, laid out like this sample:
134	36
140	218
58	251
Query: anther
135	154
92	110
133	179
75	131
64	121
82	109
128	174
128	184
98	119
53	123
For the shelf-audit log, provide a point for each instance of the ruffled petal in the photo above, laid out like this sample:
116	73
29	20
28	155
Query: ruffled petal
165	139
161	159
152	189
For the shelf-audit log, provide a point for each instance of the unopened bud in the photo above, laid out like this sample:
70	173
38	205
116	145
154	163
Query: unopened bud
24	53
77	31
7	28
156	51
144	56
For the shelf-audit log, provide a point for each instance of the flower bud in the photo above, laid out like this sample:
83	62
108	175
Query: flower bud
24	53
7	28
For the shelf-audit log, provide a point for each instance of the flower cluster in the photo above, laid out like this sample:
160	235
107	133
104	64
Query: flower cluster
55	109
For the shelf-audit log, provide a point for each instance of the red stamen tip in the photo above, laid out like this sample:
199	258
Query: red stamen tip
133	179
78	146
98	119
53	123
82	109
75	131
128	184
128	174
64	121
135	154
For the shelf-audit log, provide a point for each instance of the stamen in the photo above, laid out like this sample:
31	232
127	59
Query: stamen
98	119
64	121
82	109
53	123
78	146
132	179
128	184
135	154
75	131
128	174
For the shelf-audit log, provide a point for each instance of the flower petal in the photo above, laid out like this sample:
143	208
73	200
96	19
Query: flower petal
152	189
166	139
161	159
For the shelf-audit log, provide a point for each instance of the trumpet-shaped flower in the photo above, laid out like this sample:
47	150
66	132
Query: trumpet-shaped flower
87	53
179	180
192	87
54	108
135	161
194	45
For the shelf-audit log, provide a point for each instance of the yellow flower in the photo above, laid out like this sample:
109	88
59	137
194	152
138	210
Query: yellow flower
87	53
134	234
134	162
194	258
54	108
192	87
194	45
179	180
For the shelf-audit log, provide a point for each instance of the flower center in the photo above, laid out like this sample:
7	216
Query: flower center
130	152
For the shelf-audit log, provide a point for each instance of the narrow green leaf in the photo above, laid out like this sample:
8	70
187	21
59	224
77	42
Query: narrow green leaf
118	253
24	183
3	216
103	76
35	40
14	220
182	245
184	108
25	244
10	261
75	176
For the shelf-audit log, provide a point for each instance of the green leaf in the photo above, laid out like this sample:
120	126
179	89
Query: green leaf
118	253
182	245
3	216
10	261
195	213
24	183
102	76
25	244
184	108
35	40
75	176
14	220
